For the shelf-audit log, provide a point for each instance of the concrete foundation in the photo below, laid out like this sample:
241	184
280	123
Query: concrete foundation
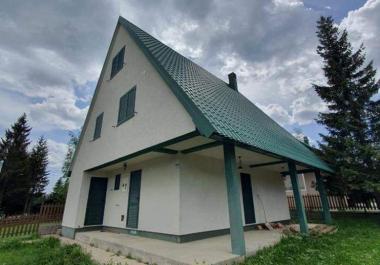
216	250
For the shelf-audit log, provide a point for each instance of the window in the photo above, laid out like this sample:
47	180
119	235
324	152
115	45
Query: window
98	126
127	106
117	62
288	182
117	182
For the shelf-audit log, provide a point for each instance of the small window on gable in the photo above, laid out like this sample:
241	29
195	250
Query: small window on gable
127	106
117	182
98	126
117	62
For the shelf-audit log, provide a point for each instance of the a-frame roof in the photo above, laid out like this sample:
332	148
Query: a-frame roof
215	108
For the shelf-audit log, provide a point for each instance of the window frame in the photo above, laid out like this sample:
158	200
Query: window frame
99	117
117	62
301	180
127	116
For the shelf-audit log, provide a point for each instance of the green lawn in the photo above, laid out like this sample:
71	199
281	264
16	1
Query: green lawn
356	242
46	251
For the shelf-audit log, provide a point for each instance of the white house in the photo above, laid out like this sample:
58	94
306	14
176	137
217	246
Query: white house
170	151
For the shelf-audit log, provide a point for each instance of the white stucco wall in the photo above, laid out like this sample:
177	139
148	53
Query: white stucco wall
159	197
159	117
203	193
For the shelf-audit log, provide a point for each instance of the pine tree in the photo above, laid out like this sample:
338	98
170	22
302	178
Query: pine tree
61	186
14	173
350	86
38	161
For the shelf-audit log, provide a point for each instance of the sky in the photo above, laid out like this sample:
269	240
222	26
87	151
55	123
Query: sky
51	54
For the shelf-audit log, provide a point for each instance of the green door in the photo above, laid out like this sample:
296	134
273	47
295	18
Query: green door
134	199
96	201
246	189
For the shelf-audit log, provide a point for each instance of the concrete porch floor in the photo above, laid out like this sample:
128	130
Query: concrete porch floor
215	250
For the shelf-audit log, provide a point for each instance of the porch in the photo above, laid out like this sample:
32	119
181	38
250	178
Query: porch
215	250
221	160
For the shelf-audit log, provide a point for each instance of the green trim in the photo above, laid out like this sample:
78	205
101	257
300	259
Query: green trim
200	147
324	200
234	204
170	237
147	150
301	171
267	164
201	122
298	198
68	232
166	151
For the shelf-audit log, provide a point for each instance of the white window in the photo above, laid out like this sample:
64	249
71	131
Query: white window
288	182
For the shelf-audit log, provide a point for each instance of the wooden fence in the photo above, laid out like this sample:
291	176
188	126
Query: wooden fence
337	203
49	217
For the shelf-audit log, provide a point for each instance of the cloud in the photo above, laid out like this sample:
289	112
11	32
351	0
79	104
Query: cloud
363	26
51	52
49	48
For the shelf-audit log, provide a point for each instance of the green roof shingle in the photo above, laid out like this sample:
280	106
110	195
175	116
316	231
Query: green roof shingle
215	107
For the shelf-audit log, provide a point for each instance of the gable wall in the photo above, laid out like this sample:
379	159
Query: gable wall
160	117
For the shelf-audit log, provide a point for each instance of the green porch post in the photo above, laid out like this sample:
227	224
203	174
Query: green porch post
325	202
234	206
298	198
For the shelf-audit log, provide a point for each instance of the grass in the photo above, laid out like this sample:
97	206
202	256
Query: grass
357	242
46	251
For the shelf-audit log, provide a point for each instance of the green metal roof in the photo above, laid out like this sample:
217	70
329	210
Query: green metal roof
215	107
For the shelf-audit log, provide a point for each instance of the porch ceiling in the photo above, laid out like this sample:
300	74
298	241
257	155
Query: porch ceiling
197	145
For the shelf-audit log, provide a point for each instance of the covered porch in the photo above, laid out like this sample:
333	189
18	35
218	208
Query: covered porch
236	158
215	250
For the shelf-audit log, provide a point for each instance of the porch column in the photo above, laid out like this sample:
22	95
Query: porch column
325	202
298	198
234	206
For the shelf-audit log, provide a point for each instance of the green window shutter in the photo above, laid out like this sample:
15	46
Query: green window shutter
117	62
98	126
120	61
122	109
127	106
117	182
131	103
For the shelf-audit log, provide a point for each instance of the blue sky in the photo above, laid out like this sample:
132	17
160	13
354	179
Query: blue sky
49	66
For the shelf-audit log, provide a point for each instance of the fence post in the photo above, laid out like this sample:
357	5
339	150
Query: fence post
325	203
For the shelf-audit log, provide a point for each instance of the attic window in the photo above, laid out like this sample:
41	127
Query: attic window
117	62
98	126
127	106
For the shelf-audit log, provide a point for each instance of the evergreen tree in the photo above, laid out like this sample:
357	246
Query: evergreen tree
14	174
38	161
350	86
61	186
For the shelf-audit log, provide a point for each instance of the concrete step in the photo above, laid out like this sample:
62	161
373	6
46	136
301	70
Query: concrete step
121	249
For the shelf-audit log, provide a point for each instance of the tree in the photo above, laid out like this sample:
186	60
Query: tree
349	143
37	169
14	173
61	186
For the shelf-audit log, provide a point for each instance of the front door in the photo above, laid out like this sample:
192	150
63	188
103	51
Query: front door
246	188
134	199
96	201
